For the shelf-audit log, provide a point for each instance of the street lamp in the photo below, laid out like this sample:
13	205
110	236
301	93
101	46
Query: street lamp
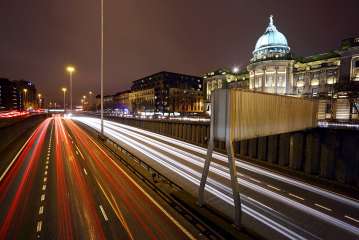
39	96
102	67
64	90
235	70
70	70
25	96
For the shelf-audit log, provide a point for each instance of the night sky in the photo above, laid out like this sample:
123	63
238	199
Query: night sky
40	37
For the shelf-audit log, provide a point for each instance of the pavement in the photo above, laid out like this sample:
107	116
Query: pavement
63	185
274	206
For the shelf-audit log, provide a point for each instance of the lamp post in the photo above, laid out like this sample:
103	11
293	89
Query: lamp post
25	96
101	67
64	90
90	100
84	101
70	70
39	96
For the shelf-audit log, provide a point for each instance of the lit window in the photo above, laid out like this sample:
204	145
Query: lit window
300	84
315	82
331	80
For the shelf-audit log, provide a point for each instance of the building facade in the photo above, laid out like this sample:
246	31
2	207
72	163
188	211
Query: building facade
167	93
122	102
108	103
27	94
332	77
223	78
9	95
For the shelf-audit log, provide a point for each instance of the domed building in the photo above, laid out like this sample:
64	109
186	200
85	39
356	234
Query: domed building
331	77
271	67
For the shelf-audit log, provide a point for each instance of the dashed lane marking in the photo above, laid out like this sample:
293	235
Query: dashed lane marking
255	180
351	218
296	196
323	207
42	197
103	213
44	187
275	188
85	171
39	226
41	210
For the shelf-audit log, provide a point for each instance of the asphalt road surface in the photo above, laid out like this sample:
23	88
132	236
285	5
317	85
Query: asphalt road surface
274	205
63	185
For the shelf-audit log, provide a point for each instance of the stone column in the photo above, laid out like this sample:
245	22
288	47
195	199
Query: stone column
254	79
289	79
276	80
264	79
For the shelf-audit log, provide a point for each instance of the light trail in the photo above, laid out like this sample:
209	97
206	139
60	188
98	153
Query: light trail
115	130
21	175
76	182
250	167
132	201
214	187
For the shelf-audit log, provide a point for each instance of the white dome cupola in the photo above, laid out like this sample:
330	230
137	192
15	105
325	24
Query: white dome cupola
272	44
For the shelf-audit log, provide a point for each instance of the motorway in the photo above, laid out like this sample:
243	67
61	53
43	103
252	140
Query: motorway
63	185
274	206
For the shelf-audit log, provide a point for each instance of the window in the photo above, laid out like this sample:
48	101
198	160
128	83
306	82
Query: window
269	81
315	92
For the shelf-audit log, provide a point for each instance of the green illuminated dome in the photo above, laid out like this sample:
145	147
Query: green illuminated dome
272	44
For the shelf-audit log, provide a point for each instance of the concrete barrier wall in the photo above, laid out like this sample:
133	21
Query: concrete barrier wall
326	153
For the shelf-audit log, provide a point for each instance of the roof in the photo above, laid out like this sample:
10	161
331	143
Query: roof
318	57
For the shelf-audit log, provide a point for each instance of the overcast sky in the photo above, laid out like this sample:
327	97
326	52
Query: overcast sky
40	37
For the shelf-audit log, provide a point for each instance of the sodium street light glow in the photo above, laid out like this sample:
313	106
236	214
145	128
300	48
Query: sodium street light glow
70	69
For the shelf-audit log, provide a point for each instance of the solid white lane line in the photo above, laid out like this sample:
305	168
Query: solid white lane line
38	227
85	171
16	156
44	187
351	218
42	197
278	189
103	213
296	196
323	207
41	210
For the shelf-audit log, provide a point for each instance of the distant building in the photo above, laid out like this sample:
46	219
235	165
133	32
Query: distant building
167	93
108	103
9	95
27	93
122	101
332	77
223	78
